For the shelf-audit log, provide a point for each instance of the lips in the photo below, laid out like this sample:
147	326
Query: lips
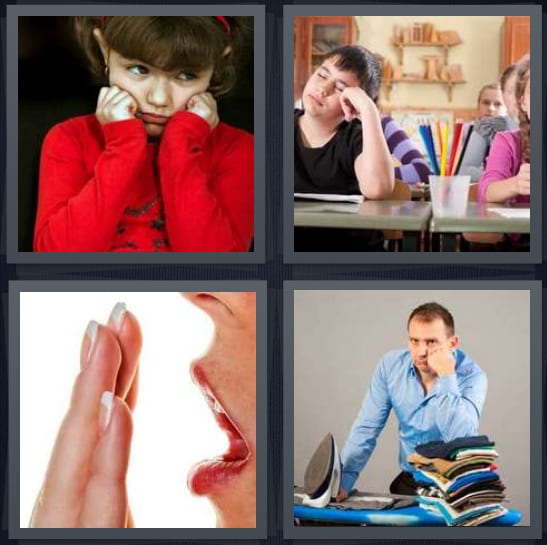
153	118
208	475
316	98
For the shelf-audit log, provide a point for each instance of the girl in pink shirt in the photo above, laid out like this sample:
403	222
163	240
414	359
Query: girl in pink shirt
507	174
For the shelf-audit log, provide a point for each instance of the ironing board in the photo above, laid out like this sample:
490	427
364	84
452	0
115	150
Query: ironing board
404	516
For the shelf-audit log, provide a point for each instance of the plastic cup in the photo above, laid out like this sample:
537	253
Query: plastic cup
449	195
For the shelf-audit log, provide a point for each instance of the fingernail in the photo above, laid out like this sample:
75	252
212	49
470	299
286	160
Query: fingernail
106	409
118	313
91	332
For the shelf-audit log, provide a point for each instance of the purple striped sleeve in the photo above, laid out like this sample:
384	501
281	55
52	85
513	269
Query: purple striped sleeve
414	167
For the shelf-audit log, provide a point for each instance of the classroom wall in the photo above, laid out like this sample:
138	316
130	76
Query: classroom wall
479	55
339	337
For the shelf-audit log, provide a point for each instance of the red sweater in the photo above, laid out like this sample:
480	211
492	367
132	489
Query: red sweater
104	188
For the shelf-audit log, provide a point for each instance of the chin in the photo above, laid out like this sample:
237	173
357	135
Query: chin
235	506
154	131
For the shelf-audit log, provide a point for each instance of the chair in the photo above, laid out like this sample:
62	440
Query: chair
480	238
401	192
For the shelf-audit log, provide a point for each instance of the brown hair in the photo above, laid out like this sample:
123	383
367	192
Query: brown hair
170	43
363	64
523	76
432	311
491	86
506	74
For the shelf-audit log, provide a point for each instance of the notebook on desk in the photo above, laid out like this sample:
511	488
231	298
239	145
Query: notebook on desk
329	197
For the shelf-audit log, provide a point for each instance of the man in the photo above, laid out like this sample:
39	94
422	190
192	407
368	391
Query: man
436	391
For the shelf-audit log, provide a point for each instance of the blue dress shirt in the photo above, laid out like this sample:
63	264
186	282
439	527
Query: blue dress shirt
450	409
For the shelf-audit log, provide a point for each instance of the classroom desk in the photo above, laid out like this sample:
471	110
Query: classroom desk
420	192
478	219
383	215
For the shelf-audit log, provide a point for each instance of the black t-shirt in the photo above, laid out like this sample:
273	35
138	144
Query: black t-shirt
330	168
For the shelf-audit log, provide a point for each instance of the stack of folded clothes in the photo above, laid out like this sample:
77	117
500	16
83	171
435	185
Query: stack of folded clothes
459	480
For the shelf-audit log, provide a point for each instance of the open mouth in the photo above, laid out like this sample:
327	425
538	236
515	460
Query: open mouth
211	473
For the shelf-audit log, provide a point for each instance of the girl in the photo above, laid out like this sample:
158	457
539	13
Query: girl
490	101
493	118
153	169
507	174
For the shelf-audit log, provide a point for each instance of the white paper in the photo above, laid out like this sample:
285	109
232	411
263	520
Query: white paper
330	197
518	213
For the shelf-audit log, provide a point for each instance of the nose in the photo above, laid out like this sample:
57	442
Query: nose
325	87
158	93
216	304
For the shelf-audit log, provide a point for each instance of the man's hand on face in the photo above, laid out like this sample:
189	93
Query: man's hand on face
441	361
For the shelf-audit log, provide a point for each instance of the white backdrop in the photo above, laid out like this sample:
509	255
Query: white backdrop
173	426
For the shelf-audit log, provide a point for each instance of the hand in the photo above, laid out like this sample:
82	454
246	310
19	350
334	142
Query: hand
441	361
354	102
84	486
342	495
522	180
205	106
115	104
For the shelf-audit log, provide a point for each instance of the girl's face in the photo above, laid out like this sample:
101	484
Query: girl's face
159	94
509	98
525	100
491	103
227	377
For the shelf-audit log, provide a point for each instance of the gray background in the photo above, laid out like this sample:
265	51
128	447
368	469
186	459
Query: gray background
339	336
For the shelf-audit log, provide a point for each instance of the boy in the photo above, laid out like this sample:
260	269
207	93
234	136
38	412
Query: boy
339	145
339	141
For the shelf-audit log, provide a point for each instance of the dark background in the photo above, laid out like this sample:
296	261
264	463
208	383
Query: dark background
274	271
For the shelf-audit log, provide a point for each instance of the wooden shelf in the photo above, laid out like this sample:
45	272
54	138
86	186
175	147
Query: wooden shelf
440	45
427	44
388	84
436	65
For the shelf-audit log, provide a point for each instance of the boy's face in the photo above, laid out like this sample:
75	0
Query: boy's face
321	95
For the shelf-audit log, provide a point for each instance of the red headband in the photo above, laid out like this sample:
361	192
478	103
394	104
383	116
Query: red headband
225	23
222	20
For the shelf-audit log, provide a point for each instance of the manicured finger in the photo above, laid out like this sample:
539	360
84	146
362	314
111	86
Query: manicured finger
78	436
100	369
126	326
105	502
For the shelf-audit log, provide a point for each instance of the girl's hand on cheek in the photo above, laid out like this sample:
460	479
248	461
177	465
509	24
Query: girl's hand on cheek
115	104
522	180
205	106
